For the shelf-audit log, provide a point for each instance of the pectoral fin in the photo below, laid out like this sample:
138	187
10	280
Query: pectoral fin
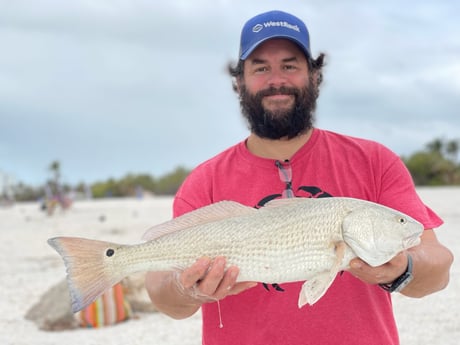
313	289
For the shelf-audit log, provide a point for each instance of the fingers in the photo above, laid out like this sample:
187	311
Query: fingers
208	280
190	276
382	274
209	283
229	286
240	287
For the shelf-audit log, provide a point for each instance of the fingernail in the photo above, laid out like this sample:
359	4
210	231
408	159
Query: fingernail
219	262
233	274
205	261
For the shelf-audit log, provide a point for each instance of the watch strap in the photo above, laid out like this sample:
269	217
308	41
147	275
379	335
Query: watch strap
402	281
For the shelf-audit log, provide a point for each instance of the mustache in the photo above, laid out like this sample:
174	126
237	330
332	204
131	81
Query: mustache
282	90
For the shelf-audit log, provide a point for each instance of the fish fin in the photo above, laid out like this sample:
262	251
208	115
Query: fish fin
88	273
315	288
204	215
285	202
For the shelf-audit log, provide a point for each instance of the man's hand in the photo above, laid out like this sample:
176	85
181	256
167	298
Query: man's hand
382	274
181	294
431	262
208	281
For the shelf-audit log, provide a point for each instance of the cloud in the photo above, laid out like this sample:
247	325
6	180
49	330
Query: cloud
109	87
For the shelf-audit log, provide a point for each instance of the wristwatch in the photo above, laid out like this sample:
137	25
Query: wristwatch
402	281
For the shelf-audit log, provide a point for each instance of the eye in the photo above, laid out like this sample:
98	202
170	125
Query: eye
290	67
109	252
261	69
402	220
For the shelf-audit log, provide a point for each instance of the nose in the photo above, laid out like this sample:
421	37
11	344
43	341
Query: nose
276	78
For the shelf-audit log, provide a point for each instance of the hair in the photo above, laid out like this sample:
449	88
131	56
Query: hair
236	71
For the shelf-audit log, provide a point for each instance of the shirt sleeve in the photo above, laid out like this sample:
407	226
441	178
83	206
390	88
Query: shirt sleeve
193	193
398	191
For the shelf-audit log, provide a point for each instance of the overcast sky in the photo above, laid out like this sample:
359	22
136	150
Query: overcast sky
108	87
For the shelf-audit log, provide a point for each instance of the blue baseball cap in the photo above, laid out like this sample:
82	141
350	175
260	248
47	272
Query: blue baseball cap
273	24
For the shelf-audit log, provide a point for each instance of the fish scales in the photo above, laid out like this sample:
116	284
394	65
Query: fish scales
287	240
264	247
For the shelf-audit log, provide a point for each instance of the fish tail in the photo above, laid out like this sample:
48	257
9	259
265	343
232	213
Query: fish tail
89	272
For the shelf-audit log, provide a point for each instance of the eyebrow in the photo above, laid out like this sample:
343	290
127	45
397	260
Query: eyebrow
257	61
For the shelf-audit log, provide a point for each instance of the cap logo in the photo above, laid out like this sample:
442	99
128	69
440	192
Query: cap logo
257	28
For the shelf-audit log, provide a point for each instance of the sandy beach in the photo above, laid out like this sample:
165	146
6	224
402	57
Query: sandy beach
29	267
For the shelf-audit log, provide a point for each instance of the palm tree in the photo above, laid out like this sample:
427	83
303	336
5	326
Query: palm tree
452	148
55	168
436	145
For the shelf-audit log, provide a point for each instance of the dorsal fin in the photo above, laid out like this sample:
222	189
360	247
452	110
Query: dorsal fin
284	202
204	215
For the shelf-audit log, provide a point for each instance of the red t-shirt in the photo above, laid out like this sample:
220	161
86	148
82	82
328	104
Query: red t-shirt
329	164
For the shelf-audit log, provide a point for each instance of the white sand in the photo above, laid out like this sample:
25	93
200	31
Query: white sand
29	267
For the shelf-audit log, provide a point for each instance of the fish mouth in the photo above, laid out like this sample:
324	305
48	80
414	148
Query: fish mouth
411	241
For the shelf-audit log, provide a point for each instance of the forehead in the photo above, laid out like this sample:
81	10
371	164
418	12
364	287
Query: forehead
277	48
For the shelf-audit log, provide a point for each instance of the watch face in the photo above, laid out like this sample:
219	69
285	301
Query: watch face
403	281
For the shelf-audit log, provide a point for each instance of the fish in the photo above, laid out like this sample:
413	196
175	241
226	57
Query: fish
287	240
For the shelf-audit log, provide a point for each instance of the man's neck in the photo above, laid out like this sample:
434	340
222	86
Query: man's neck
280	149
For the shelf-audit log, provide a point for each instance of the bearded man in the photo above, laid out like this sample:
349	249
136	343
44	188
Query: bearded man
278	81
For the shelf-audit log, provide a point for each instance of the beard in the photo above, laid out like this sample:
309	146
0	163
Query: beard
283	122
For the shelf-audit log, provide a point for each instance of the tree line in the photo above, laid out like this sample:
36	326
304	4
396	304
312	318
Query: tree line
130	185
436	164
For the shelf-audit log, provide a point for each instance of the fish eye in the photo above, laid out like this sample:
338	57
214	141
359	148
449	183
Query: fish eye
109	252
402	220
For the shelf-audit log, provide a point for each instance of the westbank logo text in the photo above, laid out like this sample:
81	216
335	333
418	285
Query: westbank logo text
259	27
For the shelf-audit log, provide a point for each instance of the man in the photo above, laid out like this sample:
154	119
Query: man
285	156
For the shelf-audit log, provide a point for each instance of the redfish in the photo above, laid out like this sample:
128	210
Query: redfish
288	240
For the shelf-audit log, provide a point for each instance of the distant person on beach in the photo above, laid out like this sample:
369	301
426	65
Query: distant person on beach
278	81
52	200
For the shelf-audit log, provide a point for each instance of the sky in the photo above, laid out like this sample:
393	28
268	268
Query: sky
110	87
